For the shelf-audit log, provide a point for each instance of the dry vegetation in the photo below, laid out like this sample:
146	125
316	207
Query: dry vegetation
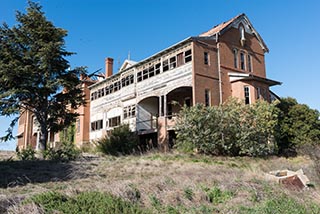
155	181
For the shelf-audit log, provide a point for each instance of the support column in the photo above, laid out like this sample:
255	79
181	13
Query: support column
162	124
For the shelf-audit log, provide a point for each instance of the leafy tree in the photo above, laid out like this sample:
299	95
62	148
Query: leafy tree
297	125
34	74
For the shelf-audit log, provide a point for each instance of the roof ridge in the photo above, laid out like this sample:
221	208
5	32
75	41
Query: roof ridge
220	27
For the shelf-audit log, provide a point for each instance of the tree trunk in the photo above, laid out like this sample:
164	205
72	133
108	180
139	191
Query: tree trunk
43	137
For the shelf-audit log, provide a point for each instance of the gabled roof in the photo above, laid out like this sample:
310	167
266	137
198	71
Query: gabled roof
127	64
223	27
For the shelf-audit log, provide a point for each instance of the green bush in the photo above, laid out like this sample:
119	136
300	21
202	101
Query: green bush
121	141
216	196
85	202
229	129
27	154
65	151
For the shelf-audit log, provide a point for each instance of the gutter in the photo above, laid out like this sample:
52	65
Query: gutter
219	69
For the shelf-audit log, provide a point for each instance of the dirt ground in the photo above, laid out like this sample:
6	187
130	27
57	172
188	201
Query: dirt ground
171	179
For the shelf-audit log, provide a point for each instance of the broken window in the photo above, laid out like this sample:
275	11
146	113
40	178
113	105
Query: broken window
187	56
165	65
157	68
173	62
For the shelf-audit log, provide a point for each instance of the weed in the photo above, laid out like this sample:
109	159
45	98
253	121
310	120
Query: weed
27	154
86	202
133	193
66	151
281	204
155	202
216	196
188	193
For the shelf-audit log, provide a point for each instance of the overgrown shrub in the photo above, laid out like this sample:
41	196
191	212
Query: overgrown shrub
121	141
27	154
64	151
229	129
85	202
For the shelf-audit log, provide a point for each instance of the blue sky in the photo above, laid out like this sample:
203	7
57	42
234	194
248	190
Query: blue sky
113	28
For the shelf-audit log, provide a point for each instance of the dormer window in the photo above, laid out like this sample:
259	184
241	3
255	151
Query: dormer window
242	37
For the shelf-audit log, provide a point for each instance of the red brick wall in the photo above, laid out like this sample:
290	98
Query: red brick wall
205	76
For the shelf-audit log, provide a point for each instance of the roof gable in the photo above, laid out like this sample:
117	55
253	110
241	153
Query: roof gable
126	64
235	22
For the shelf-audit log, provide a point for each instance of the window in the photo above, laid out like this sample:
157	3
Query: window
187	56
157	68
114	121
129	111
97	125
258	93
111	88
145	74
165	65
123	82
180	60
78	125
235	58
131	79
173	62
249	63
151	71
206	58
107	90
242	61
139	76
207	97
246	95
116	86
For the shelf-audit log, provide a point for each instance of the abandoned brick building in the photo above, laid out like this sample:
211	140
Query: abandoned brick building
227	60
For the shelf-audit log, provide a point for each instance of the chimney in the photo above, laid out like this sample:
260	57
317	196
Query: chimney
109	67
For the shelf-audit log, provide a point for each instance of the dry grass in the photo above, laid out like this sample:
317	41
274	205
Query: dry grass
161	178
